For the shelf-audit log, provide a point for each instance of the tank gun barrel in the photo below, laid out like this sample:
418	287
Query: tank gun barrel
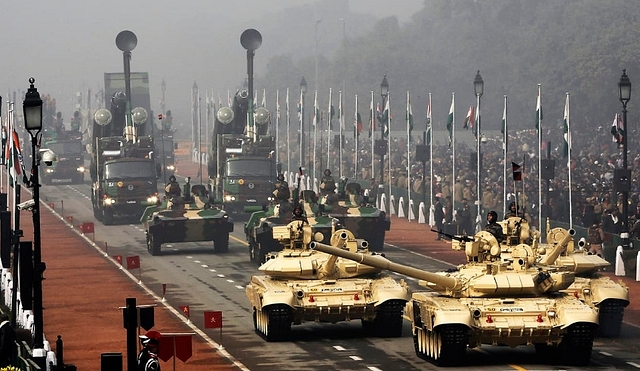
378	261
553	255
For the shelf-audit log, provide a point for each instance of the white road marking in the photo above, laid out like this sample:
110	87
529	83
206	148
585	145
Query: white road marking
355	358
633	364
374	368
204	266
338	347
221	275
240	287
212	270
606	354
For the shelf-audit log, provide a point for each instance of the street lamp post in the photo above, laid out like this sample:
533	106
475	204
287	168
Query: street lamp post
303	91
127	41
32	107
624	86
478	86
384	93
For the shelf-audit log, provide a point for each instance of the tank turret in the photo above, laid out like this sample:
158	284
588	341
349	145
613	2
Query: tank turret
502	296
304	285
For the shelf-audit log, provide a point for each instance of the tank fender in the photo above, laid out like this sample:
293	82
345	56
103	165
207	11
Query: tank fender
435	310
271	298
604	288
575	311
387	290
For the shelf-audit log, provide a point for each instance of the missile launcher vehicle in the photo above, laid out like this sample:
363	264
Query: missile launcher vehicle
496	300
301	285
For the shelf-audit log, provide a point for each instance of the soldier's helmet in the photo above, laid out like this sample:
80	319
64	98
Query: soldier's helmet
172	178
280	177
327	172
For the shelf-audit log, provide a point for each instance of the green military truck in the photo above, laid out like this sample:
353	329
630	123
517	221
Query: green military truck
68	164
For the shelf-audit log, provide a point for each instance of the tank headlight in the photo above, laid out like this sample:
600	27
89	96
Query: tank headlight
171	167
225	115
49	171
551	314
229	198
139	115
80	169
109	201
586	291
102	117
152	199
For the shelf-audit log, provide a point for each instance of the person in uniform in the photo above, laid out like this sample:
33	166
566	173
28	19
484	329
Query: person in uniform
172	189
328	184
148	356
298	214
595	236
493	227
281	191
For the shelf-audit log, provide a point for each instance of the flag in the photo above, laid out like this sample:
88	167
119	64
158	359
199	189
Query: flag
278	104
87	227
409	116
330	111
316	110
517	171
429	113
358	125
212	319
386	118
467	120
503	128
185	310
616	129
474	123
450	120
133	262
538	112
264	98
565	129
372	118
14	160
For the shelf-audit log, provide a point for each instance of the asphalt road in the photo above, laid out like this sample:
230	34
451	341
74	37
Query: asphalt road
204	281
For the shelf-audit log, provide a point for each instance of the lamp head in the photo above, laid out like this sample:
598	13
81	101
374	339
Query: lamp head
251	39
478	84
303	85
32	107
384	87
126	41
624	87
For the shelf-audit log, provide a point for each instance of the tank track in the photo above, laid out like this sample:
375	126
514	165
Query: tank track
388	321
610	314
221	243
273	323
444	347
577	344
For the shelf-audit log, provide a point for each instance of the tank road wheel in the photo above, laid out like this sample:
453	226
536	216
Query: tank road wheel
446	346
577	344
221	243
273	323
153	247
610	313
388	322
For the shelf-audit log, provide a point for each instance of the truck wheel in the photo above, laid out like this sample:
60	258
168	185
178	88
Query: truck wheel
221	243
107	217
153	247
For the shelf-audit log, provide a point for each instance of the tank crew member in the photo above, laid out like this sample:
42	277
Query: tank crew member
172	189
493	227
281	191
298	214
513	211
328	184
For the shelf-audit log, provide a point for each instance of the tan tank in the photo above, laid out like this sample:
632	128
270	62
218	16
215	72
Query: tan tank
302	285
606	296
497	300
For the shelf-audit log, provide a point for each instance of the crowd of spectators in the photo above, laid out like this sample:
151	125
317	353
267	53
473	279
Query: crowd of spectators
594	158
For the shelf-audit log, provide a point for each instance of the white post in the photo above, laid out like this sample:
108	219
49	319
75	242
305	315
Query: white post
401	208
619	271
421	218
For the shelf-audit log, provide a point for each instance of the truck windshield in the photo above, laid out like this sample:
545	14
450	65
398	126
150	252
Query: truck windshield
65	147
129	169
168	146
251	167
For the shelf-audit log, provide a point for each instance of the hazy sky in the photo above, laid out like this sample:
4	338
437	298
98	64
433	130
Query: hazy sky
67	45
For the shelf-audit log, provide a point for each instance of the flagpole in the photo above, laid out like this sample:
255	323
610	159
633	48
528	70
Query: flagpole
340	121
568	139
389	143
288	140
277	125
540	159
329	117
372	135
356	138
429	119
453	142
408	157
315	135
505	148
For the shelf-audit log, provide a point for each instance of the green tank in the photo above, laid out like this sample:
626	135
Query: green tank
190	218
357	215
259	228
496	298
299	285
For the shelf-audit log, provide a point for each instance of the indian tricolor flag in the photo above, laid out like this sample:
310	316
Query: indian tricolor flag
12	156
566	129
450	119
